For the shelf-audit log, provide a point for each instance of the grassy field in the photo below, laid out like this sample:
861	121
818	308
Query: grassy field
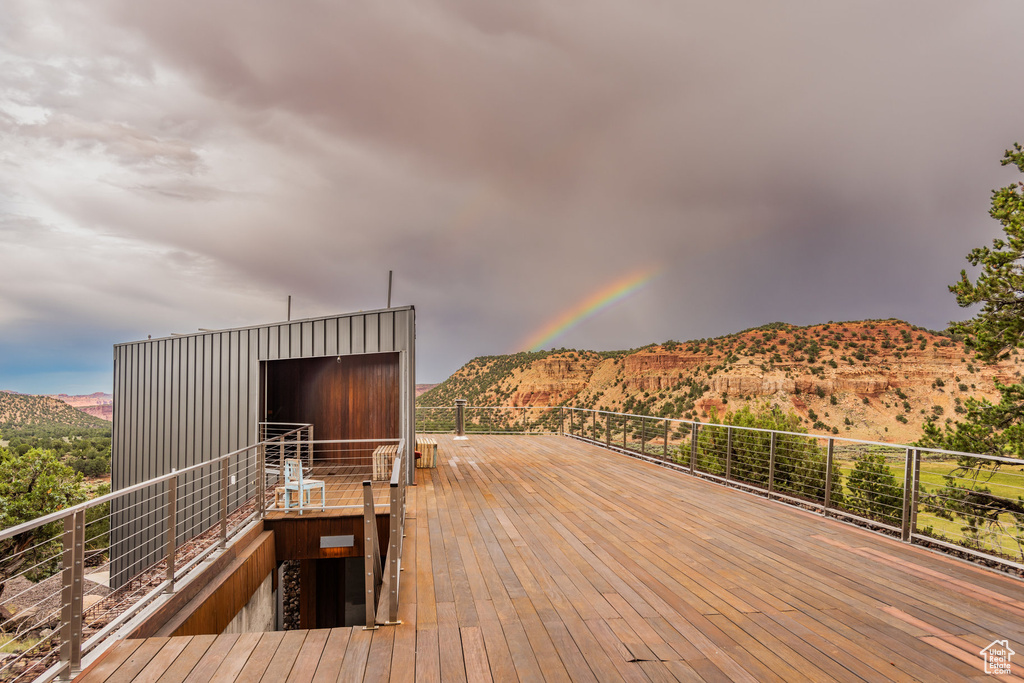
1007	483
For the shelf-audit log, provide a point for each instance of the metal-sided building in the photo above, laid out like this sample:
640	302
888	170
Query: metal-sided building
184	400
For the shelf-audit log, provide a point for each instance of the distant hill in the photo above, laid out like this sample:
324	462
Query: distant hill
872	379
42	414
97	404
423	388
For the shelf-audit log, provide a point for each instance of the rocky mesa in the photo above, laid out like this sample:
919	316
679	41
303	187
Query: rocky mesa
871	379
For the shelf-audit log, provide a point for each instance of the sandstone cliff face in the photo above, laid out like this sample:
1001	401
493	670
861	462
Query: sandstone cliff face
553	381
869	379
97	404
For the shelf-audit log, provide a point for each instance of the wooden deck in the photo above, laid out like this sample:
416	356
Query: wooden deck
540	558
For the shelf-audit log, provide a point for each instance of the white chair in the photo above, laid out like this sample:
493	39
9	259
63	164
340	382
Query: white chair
294	481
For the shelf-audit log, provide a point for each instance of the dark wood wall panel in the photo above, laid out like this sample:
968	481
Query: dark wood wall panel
298	538
343	397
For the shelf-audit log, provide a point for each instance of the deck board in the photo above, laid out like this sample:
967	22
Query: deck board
546	559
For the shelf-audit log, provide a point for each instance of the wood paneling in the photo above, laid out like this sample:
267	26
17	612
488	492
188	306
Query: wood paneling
177	608
344	397
212	610
298	537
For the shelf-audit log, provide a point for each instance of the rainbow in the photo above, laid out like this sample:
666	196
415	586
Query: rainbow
605	297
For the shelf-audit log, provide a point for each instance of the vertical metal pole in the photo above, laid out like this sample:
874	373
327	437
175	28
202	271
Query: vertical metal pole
309	445
289	307
261	472
728	453
71	593
224	503
371	554
460	417
828	476
390	273
643	436
664	453
693	448
917	487
172	533
908	493
771	464
68	541
561	422
608	430
594	431
394	553
624	423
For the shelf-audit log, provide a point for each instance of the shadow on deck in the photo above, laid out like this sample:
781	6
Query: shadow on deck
544	558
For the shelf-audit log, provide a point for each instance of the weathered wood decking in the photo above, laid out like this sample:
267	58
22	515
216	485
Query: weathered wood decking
541	558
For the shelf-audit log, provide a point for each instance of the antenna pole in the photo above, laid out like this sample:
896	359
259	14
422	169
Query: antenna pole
390	273
289	307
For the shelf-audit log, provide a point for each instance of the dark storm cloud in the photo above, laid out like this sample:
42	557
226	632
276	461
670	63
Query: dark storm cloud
188	164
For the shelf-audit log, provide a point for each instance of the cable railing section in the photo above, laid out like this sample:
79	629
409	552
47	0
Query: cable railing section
960	502
489	420
964	502
56	608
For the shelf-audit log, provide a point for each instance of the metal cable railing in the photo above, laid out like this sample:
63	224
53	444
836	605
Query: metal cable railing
966	502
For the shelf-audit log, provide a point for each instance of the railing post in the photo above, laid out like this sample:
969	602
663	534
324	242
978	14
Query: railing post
561	420
828	477
395	553
172	532
771	464
224	503
460	418
71	593
693	448
371	553
728	453
309	444
908	493
608	429
643	436
917	487
664	453
594	431
624	423
261	472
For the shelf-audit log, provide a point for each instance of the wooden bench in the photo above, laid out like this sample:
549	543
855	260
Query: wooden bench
427	447
383	461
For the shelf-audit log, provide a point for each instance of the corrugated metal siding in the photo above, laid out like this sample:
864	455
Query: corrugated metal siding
184	400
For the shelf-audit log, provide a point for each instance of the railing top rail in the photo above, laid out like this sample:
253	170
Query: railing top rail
396	471
492	408
938	451
329	441
61	514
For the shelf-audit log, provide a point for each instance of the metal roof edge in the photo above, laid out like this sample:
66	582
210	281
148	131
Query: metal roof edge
201	333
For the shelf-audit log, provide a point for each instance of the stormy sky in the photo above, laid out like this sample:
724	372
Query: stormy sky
169	166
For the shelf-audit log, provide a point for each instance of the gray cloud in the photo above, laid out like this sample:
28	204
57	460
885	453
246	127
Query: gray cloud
166	166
